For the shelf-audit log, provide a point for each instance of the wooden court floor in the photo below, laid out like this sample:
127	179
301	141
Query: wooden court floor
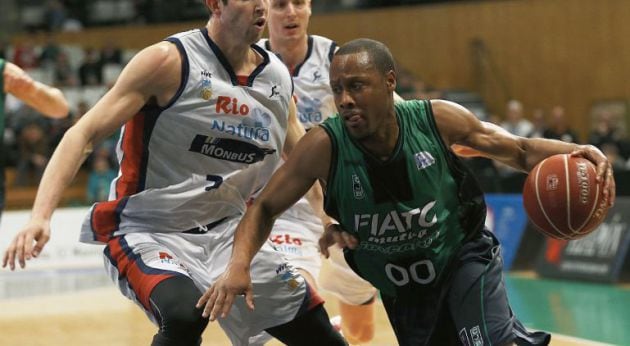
101	316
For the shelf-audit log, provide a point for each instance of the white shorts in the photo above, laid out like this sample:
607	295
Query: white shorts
298	240
137	262
337	278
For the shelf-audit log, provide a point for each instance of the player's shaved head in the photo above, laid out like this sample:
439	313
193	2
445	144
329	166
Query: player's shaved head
379	54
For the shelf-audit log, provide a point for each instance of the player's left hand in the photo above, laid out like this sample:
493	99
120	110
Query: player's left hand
218	299
334	234
604	169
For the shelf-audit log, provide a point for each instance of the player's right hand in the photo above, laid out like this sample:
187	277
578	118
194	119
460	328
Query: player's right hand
27	244
218	299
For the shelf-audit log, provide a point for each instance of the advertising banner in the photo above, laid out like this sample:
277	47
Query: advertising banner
507	220
64	249
597	257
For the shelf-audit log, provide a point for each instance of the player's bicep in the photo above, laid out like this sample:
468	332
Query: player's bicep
152	73
459	127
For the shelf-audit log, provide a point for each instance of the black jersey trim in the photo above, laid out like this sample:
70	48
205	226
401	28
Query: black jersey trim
226	64
184	72
397	149
468	187
309	51
260	67
329	207
332	50
222	59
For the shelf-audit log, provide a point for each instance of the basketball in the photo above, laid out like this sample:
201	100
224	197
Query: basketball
562	197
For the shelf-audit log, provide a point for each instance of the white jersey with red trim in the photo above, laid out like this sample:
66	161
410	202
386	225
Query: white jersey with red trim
198	159
312	87
314	101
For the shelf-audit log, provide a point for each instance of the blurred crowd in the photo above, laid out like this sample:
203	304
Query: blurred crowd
73	15
85	74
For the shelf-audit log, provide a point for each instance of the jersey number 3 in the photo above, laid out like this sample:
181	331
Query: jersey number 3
216	181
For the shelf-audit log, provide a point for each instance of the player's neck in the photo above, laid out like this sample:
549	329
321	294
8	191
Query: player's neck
292	51
238	53
383	142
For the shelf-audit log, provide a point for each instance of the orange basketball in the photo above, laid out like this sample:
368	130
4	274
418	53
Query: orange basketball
562	197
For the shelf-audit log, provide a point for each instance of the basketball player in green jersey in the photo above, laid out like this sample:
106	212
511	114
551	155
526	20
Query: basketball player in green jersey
410	214
47	100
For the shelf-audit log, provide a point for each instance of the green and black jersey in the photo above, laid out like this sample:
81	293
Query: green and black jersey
411	213
2	122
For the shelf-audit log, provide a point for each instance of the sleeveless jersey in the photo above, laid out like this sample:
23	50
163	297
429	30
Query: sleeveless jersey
198	159
312	87
2	124
314	100
410	213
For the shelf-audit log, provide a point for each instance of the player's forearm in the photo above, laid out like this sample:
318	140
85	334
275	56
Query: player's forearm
251	233
537	149
63	166
48	101
315	198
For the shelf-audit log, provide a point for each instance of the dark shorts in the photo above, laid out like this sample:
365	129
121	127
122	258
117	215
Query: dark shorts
472	308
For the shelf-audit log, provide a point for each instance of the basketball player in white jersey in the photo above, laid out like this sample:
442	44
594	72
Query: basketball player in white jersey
296	232
205	116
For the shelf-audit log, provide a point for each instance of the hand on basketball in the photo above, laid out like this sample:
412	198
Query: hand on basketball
27	244
604	169
335	234
218	299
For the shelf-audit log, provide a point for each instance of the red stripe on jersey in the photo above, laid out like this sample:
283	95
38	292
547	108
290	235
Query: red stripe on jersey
133	148
140	282
105	219
315	298
105	216
242	80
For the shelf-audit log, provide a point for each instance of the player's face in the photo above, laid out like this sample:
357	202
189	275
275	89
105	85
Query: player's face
289	18
363	95
244	18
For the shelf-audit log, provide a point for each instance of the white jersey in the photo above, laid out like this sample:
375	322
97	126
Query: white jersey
312	87
315	101
197	160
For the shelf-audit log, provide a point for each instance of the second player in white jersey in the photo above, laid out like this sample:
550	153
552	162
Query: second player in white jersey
296	232
312	90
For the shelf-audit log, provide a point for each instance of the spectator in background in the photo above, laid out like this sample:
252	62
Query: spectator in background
110	54
24	55
91	70
539	121
4	47
33	155
514	121
559	127
611	150
49	52
64	74
99	179
608	130
54	15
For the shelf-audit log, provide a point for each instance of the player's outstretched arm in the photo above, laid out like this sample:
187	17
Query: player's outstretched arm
458	126
43	98
308	162
153	73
